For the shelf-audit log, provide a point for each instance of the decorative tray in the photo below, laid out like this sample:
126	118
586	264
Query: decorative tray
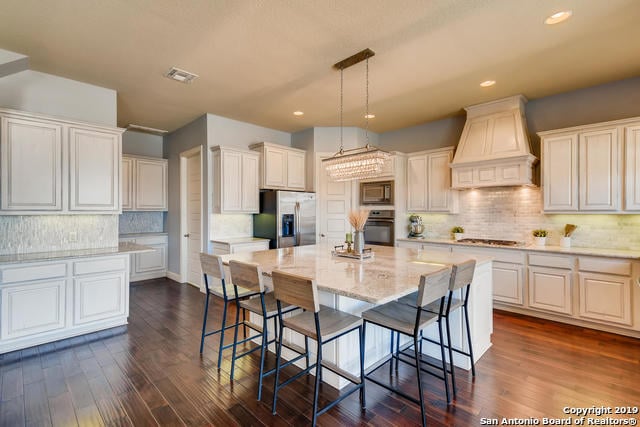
340	251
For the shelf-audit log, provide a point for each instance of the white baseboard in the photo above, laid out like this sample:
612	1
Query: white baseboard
174	276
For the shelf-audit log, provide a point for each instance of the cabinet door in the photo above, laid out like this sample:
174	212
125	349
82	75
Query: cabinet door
126	189
250	191
231	181
148	262
94	170
439	182
249	247
417	183
550	289
295	170
560	173
151	185
632	169
599	181
275	168
100	297
32	308
605	298
508	282
31	154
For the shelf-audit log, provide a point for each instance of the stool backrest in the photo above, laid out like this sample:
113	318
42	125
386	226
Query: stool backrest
212	265
296	290
245	275
462	274
433	286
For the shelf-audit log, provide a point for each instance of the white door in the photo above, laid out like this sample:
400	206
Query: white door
192	212
334	204
560	173
599	170
151	184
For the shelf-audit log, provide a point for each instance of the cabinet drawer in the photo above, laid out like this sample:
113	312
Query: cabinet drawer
99	265
550	261
502	255
152	240
221	249
23	273
607	266
250	247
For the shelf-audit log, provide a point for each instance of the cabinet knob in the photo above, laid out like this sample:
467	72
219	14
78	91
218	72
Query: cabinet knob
187	235
322	235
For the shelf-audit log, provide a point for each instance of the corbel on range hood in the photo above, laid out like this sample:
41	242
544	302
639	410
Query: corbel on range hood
494	149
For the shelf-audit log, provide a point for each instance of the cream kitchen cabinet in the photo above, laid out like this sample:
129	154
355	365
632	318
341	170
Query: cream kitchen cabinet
235	180
632	166
144	184
605	290
550	283
429	182
152	264
55	166
281	168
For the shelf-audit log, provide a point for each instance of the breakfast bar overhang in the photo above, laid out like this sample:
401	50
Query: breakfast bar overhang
353	286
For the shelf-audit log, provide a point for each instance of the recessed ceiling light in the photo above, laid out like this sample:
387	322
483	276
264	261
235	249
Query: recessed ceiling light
181	76
370	116
488	83
558	17
298	113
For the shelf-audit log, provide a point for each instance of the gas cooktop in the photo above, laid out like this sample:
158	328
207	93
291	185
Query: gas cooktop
491	242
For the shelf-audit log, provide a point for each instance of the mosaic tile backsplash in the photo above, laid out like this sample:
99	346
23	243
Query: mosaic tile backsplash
43	233
141	222
512	213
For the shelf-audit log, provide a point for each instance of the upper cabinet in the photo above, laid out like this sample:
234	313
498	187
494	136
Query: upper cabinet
429	182
144	184
592	168
281	168
50	165
235	180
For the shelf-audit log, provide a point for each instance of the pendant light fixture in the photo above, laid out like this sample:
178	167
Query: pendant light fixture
357	163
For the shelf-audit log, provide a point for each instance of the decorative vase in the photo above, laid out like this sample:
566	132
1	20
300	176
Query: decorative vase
565	242
540	241
458	236
358	242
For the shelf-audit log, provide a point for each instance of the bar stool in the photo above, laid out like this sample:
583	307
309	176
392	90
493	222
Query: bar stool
323	324
410	320
212	266
249	276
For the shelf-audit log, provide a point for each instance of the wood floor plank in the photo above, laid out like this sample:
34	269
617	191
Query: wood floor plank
36	405
12	412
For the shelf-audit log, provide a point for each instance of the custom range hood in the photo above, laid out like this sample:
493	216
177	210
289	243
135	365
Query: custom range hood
494	149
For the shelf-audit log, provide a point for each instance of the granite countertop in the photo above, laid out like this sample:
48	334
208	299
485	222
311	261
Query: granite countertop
132	235
605	252
237	240
122	248
392	272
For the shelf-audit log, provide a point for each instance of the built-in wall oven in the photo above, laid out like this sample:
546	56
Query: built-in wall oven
379	229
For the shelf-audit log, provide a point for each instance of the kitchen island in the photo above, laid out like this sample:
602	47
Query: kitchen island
354	286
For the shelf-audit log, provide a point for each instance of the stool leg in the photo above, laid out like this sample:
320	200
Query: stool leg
444	362
244	325
224	325
361	334
453	372
397	350
306	351
415	348
262	351
466	318
316	389
235	341
204	322
277	376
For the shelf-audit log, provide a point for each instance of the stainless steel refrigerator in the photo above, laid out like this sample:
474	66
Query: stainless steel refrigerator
286	218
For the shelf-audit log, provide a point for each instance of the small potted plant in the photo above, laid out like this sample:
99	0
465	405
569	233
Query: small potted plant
540	237
457	232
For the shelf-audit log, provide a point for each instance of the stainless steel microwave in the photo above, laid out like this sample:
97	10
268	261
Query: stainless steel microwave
376	193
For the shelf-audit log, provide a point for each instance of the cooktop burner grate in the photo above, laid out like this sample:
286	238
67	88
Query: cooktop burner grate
491	242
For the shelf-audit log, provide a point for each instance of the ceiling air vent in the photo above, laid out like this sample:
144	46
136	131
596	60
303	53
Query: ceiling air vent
181	76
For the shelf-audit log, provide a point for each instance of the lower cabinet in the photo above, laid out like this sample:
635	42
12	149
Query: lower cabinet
550	289
605	298
508	282
149	265
42	302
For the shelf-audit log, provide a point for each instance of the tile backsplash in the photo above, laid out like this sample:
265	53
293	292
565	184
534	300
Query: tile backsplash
512	213
141	222
223	226
43	233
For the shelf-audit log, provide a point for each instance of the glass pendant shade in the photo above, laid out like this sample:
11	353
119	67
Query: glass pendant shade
359	163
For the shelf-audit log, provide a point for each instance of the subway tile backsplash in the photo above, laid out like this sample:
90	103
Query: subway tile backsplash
512	213
230	225
43	233
141	222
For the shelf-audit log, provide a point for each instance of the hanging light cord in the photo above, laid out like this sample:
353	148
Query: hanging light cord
341	96
366	116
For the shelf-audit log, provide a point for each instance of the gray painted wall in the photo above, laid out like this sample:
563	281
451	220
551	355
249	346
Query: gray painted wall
48	94
142	144
189	136
228	132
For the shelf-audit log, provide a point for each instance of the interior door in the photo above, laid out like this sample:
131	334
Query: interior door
194	227
334	203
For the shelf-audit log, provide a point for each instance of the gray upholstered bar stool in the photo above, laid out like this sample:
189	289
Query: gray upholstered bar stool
249	276
323	324
212	266
410	320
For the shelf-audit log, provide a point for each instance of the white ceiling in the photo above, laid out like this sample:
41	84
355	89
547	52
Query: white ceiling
260	60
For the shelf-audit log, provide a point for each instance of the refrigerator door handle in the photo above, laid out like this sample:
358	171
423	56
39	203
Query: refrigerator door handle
297	224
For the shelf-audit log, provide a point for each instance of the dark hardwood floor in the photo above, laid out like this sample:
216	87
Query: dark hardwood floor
150	372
